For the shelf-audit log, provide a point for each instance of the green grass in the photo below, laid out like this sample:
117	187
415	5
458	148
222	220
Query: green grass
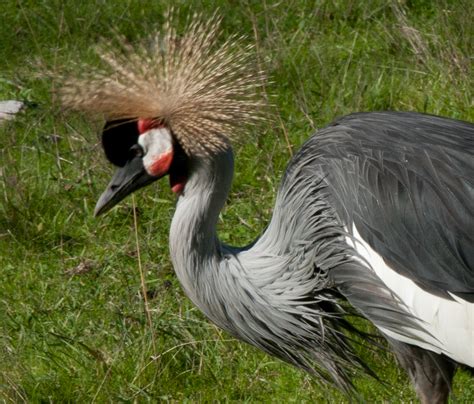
72	320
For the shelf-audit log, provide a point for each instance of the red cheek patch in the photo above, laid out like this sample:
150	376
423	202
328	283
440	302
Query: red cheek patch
161	164
144	125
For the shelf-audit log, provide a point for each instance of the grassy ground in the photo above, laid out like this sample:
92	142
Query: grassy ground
72	320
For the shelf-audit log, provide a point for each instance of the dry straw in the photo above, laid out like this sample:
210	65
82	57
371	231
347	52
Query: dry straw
203	89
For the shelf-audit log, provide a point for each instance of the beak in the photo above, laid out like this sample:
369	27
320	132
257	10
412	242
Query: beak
126	179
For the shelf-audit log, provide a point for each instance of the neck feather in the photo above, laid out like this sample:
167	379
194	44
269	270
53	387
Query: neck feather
267	294
282	293
195	248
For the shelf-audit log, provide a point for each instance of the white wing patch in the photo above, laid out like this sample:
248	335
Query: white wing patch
449	322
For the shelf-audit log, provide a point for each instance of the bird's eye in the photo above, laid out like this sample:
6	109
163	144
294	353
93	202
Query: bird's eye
136	151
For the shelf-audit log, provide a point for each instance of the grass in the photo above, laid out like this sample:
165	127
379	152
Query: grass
72	320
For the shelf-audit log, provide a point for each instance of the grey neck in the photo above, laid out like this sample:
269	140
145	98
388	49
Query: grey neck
280	294
194	245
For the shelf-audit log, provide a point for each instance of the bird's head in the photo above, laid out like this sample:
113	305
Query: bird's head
173	99
143	150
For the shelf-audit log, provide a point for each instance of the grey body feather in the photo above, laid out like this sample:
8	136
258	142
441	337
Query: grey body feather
407	181
282	293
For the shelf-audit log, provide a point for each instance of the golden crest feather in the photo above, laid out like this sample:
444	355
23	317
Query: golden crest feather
203	90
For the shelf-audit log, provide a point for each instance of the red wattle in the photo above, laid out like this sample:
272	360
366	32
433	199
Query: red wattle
177	183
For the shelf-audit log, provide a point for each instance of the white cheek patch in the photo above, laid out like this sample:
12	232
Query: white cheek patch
157	145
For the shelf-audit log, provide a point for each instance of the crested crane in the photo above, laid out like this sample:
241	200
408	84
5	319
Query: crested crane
374	210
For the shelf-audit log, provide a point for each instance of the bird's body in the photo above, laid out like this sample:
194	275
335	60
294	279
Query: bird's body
374	210
402	172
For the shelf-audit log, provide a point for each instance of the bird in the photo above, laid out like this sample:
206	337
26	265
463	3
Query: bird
373	217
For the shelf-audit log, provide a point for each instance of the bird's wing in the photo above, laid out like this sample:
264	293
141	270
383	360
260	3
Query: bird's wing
406	182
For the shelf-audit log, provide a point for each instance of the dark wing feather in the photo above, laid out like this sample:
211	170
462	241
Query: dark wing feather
407	182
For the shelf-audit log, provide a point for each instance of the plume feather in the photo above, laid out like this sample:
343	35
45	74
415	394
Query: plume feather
203	90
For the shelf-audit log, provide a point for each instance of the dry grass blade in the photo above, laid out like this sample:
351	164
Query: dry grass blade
202	89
